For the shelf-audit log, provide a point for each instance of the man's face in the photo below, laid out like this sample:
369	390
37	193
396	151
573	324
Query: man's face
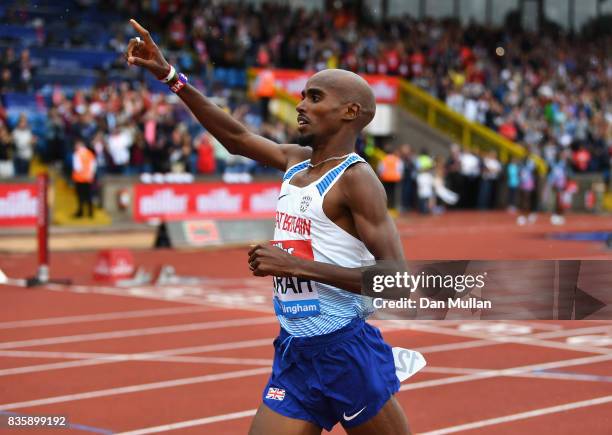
319	112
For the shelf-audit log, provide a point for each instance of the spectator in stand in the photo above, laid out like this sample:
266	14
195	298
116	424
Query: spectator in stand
558	177
491	170
56	136
206	154
138	157
442	194
408	178
6	150
425	189
6	81
26	72
390	171
119	143
452	169
581	159
470	173
24	141
9	71
2	114
527	191
83	175
424	160
103	157
512	184
265	91
181	156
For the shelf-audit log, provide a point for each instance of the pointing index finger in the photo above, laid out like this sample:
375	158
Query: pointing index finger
141	30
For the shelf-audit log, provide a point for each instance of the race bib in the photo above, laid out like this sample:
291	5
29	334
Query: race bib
295	297
407	362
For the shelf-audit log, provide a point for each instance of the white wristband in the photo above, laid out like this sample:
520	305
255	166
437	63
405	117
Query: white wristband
169	76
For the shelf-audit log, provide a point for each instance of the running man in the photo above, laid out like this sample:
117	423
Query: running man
329	365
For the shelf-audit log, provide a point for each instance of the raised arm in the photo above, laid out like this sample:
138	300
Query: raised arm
366	200
231	133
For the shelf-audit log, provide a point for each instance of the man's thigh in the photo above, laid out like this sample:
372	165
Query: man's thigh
268	422
390	420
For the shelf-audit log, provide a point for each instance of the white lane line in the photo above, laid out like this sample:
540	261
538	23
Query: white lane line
145	293
455	346
513	371
568	376
191	423
262	370
51	355
451	370
136	388
101	317
531	340
92	359
140	332
98	359
129	357
116	358
577	331
415	386
537	325
421	325
87	359
521	416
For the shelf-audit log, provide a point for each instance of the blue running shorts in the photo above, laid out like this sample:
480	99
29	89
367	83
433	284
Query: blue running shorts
345	376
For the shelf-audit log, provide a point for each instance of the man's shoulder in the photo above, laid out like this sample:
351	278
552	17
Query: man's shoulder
360	172
360	182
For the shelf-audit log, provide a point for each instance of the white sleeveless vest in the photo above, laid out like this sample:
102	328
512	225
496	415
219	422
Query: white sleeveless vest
308	308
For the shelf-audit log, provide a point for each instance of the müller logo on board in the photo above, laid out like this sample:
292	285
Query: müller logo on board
164	202
219	201
18	204
264	201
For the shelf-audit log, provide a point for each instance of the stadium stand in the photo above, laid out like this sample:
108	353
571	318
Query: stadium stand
547	94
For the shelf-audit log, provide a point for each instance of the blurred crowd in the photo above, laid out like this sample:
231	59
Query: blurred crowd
131	131
550	92
415	180
16	71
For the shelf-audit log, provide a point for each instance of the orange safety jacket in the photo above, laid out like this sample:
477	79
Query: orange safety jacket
391	169
83	165
265	84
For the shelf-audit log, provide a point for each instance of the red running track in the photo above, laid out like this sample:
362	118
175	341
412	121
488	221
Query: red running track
195	360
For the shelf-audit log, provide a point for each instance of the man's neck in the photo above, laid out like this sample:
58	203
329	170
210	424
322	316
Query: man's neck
332	147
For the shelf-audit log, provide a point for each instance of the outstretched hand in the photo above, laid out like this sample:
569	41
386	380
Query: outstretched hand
144	52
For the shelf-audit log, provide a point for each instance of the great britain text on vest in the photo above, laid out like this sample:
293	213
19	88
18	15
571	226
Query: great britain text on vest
293	224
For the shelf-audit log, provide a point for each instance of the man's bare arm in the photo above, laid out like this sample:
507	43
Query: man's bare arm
365	196
366	199
232	134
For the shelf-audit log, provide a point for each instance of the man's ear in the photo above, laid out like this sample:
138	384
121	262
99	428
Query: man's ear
352	111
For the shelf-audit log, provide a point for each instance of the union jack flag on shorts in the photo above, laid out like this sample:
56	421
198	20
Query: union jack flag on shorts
275	393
